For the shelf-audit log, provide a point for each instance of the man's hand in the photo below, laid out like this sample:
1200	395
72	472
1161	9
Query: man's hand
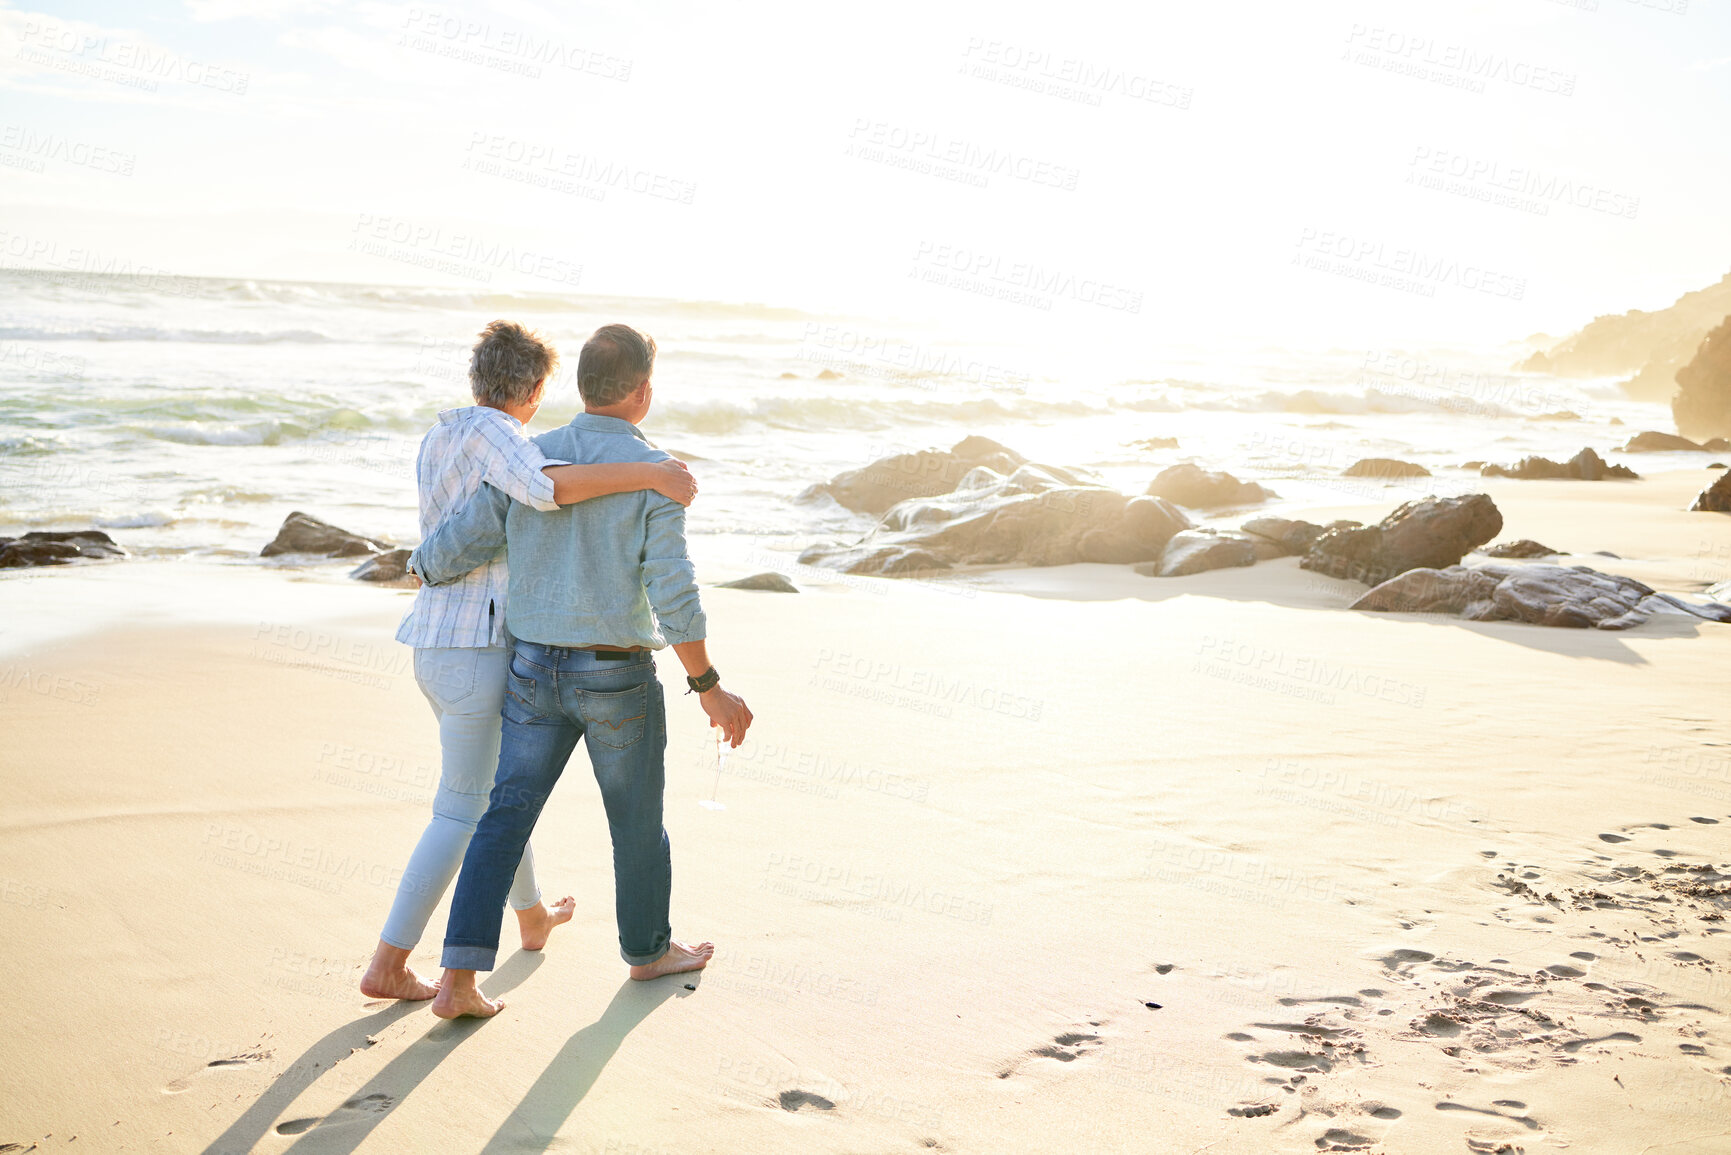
675	481
728	712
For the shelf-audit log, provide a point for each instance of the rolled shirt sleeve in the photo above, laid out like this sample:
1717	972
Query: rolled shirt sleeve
669	578
515	463
470	537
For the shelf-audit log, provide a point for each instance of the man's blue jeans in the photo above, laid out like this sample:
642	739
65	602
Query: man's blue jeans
553	697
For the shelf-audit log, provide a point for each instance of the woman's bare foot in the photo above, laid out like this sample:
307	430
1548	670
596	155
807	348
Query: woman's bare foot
538	921
389	976
459	997
678	959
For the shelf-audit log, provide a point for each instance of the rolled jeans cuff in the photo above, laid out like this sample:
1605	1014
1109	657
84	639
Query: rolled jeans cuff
468	958
638	960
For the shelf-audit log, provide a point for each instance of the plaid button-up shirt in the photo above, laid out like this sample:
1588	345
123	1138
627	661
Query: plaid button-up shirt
467	447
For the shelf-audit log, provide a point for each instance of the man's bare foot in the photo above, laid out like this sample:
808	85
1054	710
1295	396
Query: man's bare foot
390	977
678	959
536	923
459	997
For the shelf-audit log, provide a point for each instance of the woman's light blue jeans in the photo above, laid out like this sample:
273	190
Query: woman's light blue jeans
466	688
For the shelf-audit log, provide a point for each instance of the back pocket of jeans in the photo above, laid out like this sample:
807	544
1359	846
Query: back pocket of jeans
615	719
520	682
446	676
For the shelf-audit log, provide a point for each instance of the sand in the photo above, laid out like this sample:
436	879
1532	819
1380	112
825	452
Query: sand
1049	860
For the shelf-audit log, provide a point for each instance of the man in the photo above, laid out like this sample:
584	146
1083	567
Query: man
594	589
458	630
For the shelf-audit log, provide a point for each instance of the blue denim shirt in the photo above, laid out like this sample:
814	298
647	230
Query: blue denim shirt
603	572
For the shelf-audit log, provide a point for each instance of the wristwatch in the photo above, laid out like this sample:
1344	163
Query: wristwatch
704	682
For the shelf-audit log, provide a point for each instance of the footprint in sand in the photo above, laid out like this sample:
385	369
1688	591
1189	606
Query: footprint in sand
1340	1139
1253	1110
1493	1110
349	1112
1065	1048
1574	1045
246	1059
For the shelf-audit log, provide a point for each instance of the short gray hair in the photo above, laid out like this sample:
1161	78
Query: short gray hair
508	363
614	362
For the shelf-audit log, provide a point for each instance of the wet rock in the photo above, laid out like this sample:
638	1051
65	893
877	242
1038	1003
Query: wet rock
1191	485
42	547
926	473
1586	465
1385	467
21	554
1716	498
774	582
1144	528
1702	406
392	566
1543	595
1654	442
1200	550
1520	547
1291	537
302	533
1433	532
1030	517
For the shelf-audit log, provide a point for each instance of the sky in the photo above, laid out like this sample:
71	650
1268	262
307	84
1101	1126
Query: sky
1144	174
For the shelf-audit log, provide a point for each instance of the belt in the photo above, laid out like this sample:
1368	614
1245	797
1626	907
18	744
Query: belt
611	653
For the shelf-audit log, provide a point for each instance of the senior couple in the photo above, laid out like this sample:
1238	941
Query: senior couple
519	663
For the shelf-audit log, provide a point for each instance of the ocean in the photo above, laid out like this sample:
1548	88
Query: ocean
188	416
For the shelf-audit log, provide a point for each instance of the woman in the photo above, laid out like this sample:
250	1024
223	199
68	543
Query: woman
458	630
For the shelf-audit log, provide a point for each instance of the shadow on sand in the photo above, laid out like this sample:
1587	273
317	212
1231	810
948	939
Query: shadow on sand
573	1071
1280	582
402	1074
